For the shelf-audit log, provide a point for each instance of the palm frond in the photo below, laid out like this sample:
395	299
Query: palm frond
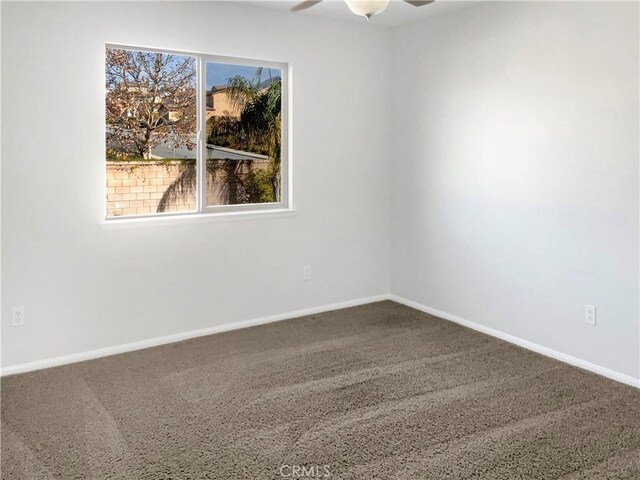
241	91
257	130
182	187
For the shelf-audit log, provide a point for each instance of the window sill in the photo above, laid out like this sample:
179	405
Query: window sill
195	218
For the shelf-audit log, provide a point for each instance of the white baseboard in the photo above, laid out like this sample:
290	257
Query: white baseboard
177	337
563	357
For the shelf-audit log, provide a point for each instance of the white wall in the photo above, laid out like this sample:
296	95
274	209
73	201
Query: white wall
513	162
515	191
86	287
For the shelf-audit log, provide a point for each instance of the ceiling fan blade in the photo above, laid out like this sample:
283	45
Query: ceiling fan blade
419	3
304	5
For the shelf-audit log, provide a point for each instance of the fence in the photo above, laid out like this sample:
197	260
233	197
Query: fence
136	188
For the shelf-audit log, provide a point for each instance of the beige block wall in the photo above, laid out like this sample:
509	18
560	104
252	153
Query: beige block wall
135	188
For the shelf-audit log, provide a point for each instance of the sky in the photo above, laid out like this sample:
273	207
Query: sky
218	73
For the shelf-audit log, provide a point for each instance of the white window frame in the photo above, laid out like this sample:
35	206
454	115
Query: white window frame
202	209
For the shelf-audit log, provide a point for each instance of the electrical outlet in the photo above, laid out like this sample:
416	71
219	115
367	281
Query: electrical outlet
590	315
17	319
307	272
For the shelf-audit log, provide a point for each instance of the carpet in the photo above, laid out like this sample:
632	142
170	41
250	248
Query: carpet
379	391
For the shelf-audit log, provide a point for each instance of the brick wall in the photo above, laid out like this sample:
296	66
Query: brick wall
135	188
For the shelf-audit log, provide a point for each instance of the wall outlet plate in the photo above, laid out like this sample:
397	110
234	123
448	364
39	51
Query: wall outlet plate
590	315
17	317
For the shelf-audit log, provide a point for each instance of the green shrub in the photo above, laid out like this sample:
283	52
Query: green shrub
257	187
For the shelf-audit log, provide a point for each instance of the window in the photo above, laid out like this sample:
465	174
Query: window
190	133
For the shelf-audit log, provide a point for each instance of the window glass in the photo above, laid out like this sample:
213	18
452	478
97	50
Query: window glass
151	119
243	117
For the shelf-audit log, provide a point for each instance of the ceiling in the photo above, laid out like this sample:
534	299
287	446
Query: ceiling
397	13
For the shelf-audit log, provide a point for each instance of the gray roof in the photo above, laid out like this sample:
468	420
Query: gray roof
214	152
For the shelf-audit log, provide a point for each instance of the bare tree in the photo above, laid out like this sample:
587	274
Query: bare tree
151	100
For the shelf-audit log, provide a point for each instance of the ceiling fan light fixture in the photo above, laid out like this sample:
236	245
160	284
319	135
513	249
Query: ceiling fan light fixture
367	8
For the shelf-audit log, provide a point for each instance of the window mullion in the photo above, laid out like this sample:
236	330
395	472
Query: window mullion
201	178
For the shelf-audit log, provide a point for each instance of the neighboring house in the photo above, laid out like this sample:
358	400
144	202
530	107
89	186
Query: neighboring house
169	111
219	103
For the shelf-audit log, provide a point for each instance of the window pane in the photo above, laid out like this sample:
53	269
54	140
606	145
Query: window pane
150	132
243	134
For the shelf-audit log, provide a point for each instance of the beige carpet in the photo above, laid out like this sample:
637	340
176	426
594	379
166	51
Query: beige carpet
374	392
